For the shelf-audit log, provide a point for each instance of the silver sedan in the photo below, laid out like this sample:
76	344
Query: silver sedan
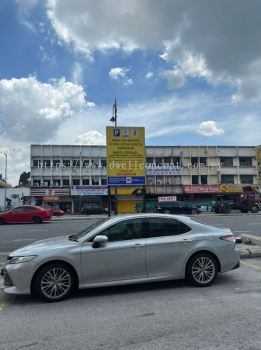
122	250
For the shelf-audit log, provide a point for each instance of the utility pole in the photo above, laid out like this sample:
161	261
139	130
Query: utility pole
113	120
5	178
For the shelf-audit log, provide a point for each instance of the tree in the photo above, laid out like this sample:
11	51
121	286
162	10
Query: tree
24	179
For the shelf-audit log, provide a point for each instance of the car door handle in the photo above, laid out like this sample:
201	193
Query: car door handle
137	245
186	241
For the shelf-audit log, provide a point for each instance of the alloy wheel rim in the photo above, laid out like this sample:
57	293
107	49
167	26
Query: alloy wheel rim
203	270
55	283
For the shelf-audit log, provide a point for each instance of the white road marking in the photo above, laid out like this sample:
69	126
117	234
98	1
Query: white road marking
241	231
255	223
39	230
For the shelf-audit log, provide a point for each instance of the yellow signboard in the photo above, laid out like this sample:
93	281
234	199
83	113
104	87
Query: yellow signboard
125	155
234	188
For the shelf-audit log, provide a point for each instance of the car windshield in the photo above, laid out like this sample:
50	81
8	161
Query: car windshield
89	229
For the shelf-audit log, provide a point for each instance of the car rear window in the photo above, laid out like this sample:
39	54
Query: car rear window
159	227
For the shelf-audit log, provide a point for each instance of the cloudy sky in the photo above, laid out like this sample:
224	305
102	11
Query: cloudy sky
189	71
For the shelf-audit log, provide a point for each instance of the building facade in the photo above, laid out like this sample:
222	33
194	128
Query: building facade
71	175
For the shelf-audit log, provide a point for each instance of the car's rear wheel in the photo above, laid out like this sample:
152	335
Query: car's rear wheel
37	220
2	221
254	209
202	269
54	282
194	211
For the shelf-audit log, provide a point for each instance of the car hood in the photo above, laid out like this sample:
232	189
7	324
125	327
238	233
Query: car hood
45	245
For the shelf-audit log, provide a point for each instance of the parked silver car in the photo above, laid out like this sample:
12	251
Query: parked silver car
122	250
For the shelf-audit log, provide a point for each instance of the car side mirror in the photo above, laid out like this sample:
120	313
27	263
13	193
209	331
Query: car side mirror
99	240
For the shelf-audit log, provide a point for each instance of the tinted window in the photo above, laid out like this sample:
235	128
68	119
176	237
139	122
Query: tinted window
125	230
29	209
158	227
17	210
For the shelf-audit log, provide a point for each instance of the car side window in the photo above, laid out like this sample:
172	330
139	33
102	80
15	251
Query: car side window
18	210
29	209
158	227
125	230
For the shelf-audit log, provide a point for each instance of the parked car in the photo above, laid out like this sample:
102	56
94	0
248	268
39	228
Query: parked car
93	209
177	208
25	213
54	211
121	250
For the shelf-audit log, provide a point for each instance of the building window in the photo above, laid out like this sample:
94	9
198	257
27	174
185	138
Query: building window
46	183
194	161
167	160
104	163
204	179
227	179
104	181
158	161
76	182
85	163
245	161
151	180
36	163
168	180
95	163
57	182
76	163
246	179
149	160
176	161
46	163
56	163
36	183
66	182
203	161
159	180
95	181
226	162
194	179
66	163
86	182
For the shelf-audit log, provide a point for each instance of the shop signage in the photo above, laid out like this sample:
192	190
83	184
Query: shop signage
50	198
201	189
167	199
224	188
89	191
40	192
125	155
159	170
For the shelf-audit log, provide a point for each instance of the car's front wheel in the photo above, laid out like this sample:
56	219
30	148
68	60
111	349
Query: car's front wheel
37	220
202	269
2	221
194	212
54	282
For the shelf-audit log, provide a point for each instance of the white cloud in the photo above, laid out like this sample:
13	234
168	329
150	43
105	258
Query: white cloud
149	75
77	73
175	78
209	128
91	138
90	104
32	110
200	38
121	74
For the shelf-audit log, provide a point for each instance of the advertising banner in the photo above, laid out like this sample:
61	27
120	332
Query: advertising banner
161	170
201	189
167	199
125	155
89	191
224	188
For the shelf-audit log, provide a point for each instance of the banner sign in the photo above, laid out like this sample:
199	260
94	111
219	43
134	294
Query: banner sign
89	191
125	155
50	198
201	189
163	170
224	188
167	199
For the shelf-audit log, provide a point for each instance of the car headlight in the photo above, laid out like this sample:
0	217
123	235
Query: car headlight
20	259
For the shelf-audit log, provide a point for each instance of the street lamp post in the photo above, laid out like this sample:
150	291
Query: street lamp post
5	178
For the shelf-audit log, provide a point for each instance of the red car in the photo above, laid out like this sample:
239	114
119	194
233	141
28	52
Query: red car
54	211
25	213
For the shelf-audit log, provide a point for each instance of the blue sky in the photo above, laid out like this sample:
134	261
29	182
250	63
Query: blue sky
188	71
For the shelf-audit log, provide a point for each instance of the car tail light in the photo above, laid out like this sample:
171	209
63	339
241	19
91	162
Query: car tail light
230	238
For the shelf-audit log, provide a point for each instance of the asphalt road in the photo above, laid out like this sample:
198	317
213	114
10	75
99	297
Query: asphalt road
155	316
16	236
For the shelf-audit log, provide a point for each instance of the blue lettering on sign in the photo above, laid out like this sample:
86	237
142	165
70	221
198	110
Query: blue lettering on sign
128	180
116	133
